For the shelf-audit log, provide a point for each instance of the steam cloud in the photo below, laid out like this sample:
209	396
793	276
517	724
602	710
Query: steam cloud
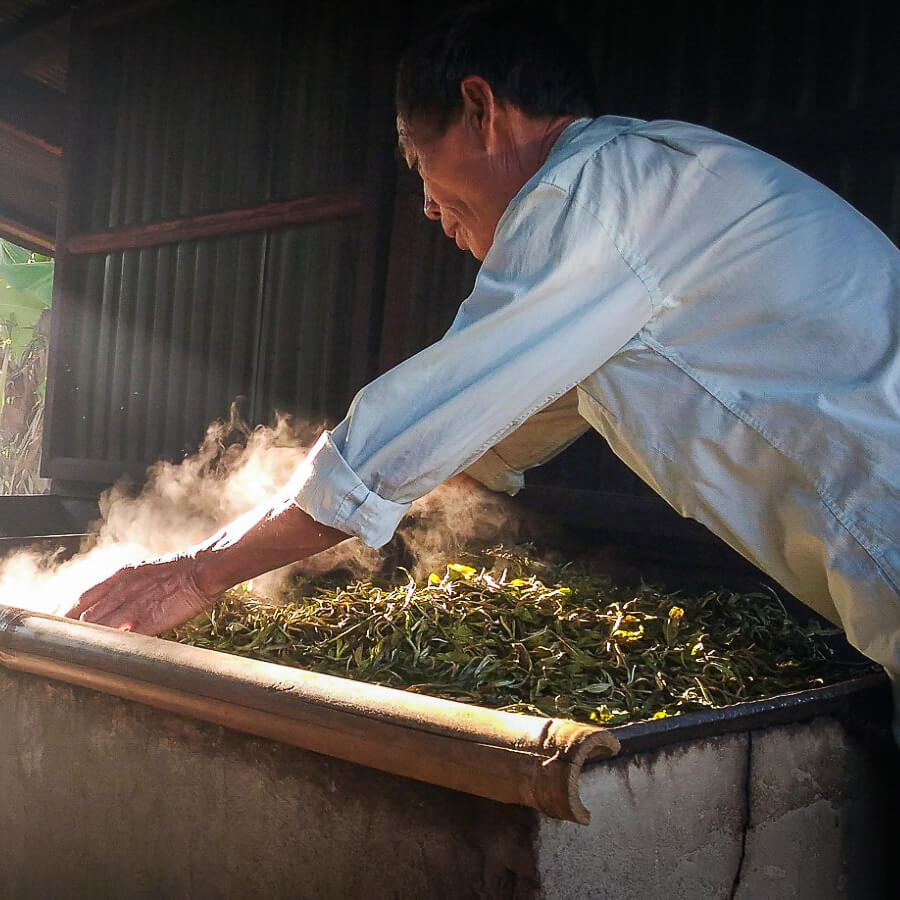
235	470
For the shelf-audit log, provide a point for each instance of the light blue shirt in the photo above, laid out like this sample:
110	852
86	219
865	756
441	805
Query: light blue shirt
731	327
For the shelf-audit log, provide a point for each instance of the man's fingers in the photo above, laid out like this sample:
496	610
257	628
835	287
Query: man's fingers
124	603
124	617
148	599
103	595
153	614
86	600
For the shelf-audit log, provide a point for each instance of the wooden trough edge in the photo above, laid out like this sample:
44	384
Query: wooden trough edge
507	757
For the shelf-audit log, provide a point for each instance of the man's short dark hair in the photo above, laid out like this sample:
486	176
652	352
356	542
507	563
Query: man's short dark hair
527	60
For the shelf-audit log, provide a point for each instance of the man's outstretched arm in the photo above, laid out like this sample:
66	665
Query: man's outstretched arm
553	301
157	595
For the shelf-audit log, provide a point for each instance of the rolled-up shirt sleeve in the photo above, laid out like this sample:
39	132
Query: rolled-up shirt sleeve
553	300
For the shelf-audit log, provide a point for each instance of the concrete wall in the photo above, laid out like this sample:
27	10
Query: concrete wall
103	798
799	812
670	819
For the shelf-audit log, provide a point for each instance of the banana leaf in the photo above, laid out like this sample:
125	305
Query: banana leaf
26	288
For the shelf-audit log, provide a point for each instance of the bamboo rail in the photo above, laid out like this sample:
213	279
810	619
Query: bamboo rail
506	757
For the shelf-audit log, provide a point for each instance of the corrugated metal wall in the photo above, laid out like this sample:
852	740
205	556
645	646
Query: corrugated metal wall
198	107
162	339
179	103
306	352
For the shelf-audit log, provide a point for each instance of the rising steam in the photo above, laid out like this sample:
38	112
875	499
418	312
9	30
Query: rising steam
235	470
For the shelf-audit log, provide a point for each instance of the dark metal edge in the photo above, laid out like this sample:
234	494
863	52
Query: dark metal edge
637	737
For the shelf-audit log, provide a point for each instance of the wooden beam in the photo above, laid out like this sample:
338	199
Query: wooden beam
26	235
299	211
28	138
38	50
21	155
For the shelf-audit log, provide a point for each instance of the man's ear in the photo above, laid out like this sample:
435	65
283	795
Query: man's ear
479	106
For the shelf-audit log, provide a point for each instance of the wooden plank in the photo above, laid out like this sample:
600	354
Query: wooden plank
23	159
27	137
340	204
26	235
38	53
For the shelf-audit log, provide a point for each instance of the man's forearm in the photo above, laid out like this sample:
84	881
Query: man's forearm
261	540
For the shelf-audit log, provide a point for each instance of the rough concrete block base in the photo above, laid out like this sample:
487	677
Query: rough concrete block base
815	808
794	812
664	824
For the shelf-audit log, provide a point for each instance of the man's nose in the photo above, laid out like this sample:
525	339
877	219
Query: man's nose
432	210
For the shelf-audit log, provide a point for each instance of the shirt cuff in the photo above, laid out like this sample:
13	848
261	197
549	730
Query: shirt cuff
495	474
327	489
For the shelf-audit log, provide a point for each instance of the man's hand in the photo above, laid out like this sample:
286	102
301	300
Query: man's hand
148	598
159	594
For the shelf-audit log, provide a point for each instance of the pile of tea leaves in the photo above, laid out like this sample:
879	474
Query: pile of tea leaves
532	638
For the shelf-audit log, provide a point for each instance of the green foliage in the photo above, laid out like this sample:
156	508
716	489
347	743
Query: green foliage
565	643
26	287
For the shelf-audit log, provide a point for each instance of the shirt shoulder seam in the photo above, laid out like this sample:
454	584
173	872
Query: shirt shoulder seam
633	266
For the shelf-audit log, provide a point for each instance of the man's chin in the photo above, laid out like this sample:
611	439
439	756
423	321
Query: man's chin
478	252
465	246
